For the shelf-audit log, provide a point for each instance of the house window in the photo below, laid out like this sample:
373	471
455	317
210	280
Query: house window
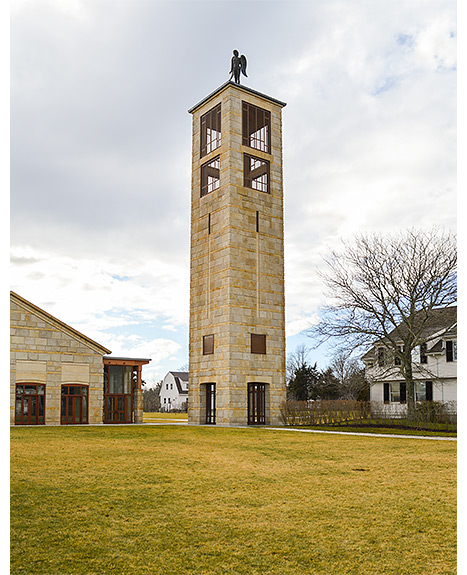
397	358
208	344
394	392
420	391
424	391
256	173
256	127
419	354
210	176
30	404
451	351
210	130
258	343
381	357
423	356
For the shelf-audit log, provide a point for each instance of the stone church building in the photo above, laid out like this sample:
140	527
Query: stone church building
59	376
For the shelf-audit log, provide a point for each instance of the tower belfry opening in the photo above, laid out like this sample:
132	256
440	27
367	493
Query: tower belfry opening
237	319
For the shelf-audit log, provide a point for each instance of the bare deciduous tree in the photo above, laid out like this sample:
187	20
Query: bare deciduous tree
349	372
383	288
151	398
295	360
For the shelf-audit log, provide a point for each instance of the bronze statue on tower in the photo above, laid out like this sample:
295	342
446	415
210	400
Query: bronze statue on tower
238	65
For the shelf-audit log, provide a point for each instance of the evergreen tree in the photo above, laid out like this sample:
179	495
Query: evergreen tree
303	382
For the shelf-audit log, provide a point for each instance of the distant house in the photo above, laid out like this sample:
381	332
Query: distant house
174	391
59	376
434	364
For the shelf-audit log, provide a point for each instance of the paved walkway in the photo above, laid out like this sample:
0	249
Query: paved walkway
434	437
431	437
184	422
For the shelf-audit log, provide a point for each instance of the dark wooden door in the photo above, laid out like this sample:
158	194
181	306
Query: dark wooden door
256	403
118	408
30	404
74	404
211	403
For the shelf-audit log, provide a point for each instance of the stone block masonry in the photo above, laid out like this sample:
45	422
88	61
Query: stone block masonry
237	263
44	352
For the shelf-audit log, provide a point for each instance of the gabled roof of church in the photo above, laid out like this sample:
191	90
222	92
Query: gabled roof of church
58	324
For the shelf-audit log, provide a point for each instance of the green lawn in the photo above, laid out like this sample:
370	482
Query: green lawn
165	500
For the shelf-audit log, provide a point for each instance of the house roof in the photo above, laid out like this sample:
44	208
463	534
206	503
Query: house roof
111	360
437	348
183	375
442	321
180	389
58	324
439	319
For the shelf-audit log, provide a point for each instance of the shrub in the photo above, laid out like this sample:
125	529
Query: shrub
324	412
428	415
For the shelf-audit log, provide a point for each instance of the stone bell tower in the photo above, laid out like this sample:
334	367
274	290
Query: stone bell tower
237	323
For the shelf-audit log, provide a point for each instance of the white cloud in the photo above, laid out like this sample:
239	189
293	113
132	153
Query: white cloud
435	44
89	293
300	324
101	142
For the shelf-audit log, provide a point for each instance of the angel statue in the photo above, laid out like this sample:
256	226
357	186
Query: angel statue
238	65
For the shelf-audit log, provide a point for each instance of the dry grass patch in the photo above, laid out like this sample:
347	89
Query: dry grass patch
163	500
158	417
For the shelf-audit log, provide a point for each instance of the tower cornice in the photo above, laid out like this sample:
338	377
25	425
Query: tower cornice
238	87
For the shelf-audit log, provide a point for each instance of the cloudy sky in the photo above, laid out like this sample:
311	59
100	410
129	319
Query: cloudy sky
101	159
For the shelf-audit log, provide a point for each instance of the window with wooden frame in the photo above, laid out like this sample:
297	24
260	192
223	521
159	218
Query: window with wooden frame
255	173
256	127
210	176
208	344
210	130
258	343
30	404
